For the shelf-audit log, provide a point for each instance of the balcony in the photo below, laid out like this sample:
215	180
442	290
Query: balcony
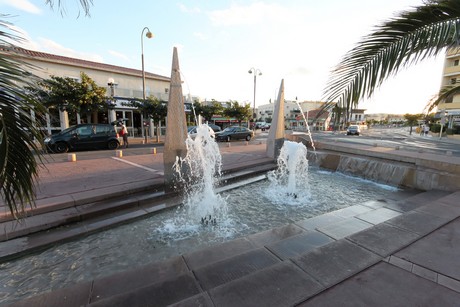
451	70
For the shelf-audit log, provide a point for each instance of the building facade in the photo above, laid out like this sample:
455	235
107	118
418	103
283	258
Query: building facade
292	112
121	83
449	110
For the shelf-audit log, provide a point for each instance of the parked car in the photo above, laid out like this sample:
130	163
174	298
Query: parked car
192	131
259	125
215	127
266	126
83	137
234	133
353	130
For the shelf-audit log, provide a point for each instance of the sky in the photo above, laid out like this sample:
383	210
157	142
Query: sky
219	41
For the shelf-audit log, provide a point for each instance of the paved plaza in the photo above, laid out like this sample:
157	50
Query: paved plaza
400	251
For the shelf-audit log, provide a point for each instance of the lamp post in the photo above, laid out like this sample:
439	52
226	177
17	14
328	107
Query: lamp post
256	72
148	35
111	103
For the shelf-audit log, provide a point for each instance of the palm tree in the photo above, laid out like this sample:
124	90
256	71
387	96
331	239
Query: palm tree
444	94
410	37
20	138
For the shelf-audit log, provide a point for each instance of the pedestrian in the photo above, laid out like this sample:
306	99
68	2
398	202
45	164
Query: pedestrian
124	134
422	129
427	129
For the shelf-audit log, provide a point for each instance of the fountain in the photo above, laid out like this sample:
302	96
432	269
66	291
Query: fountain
290	179
204	218
203	163
307	125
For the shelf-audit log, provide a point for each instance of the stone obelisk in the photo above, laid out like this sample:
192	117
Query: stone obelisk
176	127
276	133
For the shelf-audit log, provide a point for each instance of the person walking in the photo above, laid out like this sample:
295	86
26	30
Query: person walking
124	135
427	129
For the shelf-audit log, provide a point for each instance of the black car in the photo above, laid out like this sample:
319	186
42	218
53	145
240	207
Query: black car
83	137
215	127
234	133
353	130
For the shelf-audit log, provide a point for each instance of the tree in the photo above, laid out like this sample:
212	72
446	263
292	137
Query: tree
20	139
412	120
151	107
208	111
238	111
413	35
71	95
444	94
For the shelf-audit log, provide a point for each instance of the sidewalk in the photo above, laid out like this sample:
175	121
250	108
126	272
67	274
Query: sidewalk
406	255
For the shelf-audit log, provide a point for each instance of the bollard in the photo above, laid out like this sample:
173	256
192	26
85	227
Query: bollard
119	153
246	144
260	142
228	144
154	151
72	157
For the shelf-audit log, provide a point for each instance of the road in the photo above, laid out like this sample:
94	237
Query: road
136	148
385	137
393	137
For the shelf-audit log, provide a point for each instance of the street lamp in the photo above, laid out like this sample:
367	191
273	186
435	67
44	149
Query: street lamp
256	72
148	35
111	103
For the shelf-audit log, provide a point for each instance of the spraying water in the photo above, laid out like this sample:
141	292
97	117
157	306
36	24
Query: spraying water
203	163
308	127
290	179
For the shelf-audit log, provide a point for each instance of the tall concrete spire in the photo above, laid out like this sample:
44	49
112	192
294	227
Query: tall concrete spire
176	125
276	133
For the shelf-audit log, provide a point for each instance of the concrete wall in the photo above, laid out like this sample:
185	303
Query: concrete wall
410	169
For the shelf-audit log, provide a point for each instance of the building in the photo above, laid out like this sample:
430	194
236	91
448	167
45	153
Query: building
449	110
122	83
292	111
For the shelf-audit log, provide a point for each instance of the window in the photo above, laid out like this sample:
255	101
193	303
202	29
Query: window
84	131
453	80
102	130
456	62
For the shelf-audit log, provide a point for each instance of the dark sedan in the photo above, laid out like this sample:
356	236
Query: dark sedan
83	137
234	133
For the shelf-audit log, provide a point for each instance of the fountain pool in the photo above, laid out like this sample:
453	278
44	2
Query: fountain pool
249	210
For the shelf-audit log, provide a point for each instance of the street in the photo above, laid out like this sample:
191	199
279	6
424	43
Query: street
385	137
393	137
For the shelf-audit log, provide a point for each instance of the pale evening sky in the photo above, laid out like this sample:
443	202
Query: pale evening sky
218	41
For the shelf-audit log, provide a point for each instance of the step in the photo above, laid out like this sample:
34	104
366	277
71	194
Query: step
261	270
55	215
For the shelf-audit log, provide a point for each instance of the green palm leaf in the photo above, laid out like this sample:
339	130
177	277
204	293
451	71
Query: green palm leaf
19	138
404	40
444	94
85	4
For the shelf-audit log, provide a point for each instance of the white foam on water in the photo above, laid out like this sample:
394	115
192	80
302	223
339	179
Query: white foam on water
200	171
289	182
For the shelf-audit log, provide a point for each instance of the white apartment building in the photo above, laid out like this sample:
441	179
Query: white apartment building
449	111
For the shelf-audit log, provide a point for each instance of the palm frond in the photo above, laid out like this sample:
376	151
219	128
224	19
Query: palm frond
85	4
20	139
444	94
404	40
